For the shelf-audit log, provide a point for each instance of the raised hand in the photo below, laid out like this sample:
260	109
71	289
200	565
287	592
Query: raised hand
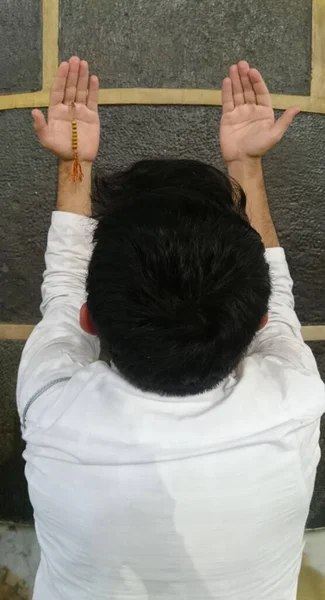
248	128
72	84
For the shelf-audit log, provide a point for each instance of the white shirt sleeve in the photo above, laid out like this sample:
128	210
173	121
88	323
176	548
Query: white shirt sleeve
281	339
281	342
58	347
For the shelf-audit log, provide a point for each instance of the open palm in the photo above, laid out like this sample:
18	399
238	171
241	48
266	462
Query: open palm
72	84
248	127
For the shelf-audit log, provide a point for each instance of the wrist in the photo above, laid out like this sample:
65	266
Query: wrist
249	174
245	169
65	166
73	196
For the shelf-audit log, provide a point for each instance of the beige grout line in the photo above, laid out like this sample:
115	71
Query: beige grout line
313	333
50	11
160	96
318	50
15	331
29	100
195	97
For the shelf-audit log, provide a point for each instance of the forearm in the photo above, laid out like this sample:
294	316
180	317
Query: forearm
69	241
67	257
249	174
74	197
58	347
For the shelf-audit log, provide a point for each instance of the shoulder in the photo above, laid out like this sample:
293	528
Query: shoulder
297	385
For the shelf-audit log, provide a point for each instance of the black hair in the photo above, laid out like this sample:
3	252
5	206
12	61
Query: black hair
178	283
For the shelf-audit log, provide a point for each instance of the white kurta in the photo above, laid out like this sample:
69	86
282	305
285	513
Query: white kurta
138	496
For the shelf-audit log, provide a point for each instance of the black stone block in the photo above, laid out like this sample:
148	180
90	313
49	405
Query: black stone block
318	349
14	501
21	46
28	189
296	187
189	43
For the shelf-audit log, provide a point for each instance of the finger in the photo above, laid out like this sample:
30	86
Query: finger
227	96
59	84
261	92
82	85
249	94
72	80
236	86
93	89
40	124
281	125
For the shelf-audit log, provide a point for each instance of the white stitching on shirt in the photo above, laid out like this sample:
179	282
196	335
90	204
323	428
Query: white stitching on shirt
38	394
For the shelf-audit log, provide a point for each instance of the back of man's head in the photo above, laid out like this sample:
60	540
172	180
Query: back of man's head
178	283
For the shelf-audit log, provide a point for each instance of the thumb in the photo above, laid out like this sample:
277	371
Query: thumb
40	124
282	124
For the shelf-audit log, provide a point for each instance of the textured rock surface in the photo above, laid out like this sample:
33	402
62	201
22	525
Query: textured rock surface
12	587
294	176
189	43
28	186
14	502
21	45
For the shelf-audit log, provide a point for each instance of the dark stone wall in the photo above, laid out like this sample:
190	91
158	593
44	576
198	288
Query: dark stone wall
28	190
189	43
177	43
14	501
21	46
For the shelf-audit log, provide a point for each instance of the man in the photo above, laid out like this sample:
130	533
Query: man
185	468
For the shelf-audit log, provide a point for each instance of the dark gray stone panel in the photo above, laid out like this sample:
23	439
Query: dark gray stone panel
318	349
189	43
21	46
317	509
294	176
296	187
28	185
14	501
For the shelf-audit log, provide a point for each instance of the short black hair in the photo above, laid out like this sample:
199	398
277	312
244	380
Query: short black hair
178	282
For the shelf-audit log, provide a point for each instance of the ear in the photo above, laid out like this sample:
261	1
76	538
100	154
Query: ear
86	322
264	321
